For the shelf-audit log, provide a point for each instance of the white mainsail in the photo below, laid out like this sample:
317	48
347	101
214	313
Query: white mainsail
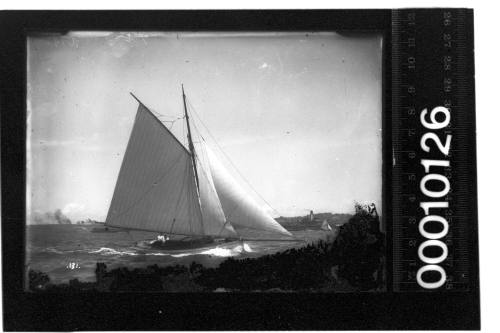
240	208
156	188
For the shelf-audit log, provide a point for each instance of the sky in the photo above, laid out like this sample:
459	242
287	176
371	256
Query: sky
298	114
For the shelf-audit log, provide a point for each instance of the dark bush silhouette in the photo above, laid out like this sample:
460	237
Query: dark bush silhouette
37	280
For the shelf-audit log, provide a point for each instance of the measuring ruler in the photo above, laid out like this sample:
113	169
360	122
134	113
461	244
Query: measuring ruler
432	66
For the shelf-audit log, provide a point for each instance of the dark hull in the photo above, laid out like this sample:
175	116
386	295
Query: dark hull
187	244
106	229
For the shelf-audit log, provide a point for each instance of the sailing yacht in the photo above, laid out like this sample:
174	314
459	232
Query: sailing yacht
169	189
326	226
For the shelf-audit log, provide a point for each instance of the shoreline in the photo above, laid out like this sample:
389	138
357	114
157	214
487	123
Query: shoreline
354	260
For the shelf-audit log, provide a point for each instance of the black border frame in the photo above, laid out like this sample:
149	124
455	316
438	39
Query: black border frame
132	311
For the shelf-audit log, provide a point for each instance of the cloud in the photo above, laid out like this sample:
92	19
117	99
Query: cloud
56	217
72	208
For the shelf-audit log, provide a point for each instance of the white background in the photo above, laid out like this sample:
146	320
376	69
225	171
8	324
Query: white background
487	23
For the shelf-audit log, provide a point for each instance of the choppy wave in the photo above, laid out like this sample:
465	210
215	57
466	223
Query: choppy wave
158	254
216	252
54	250
110	251
219	251
247	248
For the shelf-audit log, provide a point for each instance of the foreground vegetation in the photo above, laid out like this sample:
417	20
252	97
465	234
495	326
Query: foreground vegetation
353	261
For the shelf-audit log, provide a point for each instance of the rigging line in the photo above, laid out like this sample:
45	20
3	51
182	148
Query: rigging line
184	125
198	132
188	199
227	157
196	192
195	206
169	116
193	164
257	229
172	122
158	113
175	118
222	228
191	193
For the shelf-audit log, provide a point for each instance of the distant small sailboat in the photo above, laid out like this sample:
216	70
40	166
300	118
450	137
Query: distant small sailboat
326	226
167	188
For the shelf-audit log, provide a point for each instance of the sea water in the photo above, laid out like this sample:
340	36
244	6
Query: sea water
66	252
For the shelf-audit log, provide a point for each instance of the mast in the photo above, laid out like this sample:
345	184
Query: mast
190	140
193	154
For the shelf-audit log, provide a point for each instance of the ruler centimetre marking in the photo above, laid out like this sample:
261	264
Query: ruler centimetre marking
430	68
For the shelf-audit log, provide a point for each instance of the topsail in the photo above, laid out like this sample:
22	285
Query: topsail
157	189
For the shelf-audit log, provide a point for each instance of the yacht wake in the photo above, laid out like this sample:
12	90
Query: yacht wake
219	251
111	252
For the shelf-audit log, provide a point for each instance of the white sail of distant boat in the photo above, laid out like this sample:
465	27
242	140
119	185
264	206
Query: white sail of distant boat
326	226
163	187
